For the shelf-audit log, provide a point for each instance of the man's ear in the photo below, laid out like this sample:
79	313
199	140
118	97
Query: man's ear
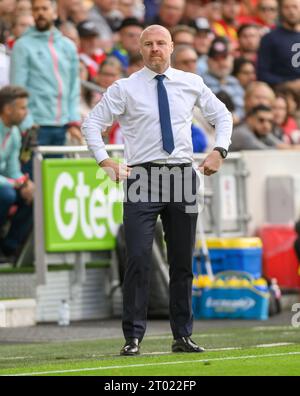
172	47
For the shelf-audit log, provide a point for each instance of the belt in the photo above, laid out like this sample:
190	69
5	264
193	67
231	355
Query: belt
149	165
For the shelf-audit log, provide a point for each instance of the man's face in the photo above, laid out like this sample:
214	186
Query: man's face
130	38
22	24
220	66
186	60
156	48
44	14
203	41
267	10
184	38
7	6
290	12
16	111
230	9
108	75
262	122
89	45
261	95
249	39
23	6
171	12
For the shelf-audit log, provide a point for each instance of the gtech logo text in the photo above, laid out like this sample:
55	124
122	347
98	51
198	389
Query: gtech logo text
90	209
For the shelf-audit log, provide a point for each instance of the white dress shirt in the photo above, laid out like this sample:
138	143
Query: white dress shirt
133	102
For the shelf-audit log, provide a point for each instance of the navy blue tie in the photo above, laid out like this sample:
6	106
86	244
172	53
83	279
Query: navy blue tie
164	115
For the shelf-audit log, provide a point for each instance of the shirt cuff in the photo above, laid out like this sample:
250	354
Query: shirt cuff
100	155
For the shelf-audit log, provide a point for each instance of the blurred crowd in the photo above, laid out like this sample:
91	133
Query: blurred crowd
58	58
247	52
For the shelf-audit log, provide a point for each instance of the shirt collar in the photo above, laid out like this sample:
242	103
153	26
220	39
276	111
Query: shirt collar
150	74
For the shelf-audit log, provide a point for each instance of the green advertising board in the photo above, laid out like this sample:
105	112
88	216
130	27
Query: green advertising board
82	206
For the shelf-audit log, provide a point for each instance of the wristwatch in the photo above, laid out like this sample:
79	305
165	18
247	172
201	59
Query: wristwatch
222	151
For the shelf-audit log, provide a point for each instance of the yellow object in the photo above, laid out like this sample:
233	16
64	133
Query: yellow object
231	243
219	283
260	282
245	283
233	282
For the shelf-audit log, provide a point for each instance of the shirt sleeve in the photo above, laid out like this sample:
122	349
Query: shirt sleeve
13	167
19	74
101	117
216	113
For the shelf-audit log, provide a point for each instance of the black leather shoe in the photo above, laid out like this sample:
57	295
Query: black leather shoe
131	348
185	344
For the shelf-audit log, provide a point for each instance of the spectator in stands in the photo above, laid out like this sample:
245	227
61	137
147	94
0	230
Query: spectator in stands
258	93
218	77
228	25
128	45
69	30
23	7
286	128
90	53
255	133
151	10
100	15
184	58
110	71
46	63
266	14
127	8
71	10
170	13
244	71
20	24
7	9
278	56
212	10
193	10
292	100
4	57
248	41
15	188
202	42
136	63
183	35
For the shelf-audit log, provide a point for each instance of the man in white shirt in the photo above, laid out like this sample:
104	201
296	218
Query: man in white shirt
154	107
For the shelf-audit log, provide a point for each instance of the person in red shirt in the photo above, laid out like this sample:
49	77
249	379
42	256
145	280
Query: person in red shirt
228	25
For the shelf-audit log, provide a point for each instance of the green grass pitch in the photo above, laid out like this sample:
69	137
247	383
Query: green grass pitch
271	351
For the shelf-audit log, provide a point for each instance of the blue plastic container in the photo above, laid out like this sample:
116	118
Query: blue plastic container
231	304
233	254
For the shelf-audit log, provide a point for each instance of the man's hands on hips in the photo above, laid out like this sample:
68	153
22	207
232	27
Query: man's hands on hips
115	170
211	164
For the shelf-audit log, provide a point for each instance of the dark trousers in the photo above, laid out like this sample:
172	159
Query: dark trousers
179	223
21	221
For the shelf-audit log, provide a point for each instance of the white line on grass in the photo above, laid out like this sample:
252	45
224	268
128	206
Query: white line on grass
165	353
154	364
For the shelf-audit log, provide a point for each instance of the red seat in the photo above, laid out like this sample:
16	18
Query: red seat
279	257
